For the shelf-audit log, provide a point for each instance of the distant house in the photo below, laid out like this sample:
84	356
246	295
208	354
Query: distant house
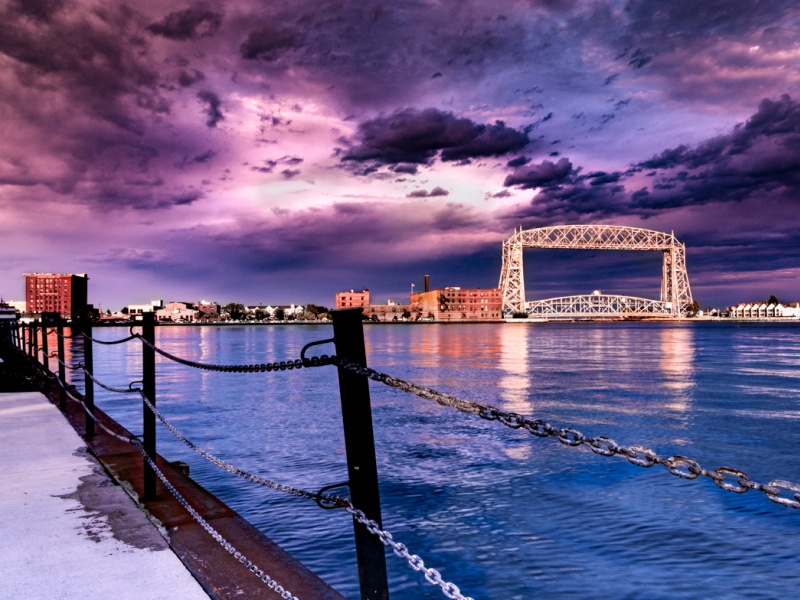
763	310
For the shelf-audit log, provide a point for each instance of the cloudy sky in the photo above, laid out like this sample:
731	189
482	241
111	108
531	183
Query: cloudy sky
282	150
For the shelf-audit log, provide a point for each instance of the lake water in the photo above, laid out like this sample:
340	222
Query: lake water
501	513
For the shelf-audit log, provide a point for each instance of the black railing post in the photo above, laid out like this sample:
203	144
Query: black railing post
45	350
34	342
348	335
88	382
149	389
62	371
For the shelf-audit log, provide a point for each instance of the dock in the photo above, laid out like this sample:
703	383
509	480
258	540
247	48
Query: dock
74	525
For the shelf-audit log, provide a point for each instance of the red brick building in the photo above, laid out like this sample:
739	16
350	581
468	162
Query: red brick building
460	304
352	299
66	295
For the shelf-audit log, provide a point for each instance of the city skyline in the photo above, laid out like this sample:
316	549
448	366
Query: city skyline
285	151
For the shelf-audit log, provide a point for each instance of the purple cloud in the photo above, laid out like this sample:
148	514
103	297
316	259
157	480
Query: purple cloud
213	106
190	24
437	191
416	137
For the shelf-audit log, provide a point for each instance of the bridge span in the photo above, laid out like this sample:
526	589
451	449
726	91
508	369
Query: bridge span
676	295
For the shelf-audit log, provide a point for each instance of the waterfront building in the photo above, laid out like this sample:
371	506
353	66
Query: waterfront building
352	299
208	311
763	310
65	294
138	309
178	311
459	304
391	311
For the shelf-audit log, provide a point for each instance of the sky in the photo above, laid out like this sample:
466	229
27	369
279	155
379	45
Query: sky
280	151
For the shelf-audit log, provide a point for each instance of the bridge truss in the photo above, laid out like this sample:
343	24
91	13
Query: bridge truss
676	294
598	306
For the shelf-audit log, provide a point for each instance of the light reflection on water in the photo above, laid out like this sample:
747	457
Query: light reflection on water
499	512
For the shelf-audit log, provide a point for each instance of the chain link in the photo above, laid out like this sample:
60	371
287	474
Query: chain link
432	576
127	390
271	583
254	368
641	456
333	501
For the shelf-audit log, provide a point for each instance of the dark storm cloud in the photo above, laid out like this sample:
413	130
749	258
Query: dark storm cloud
190	24
324	236
41	10
760	157
545	174
213	106
89	102
269	42
681	42
417	136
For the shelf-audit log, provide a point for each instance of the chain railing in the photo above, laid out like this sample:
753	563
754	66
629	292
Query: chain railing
218	537
641	456
726	478
333	501
414	561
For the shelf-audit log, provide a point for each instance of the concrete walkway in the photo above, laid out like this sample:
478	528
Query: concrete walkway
68	530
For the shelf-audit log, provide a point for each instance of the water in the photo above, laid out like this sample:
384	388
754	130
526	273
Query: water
503	514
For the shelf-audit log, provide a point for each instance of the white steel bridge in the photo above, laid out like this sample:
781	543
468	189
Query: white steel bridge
676	294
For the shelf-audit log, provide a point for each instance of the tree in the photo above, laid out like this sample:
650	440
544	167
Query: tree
235	311
279	314
773	299
692	309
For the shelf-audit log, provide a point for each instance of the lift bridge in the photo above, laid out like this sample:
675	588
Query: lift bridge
676	296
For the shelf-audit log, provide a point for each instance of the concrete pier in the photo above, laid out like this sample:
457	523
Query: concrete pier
69	531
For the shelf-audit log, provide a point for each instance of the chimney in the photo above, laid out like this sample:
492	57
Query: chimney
427	283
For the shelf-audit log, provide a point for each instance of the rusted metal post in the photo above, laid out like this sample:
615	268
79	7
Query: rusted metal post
62	371
149	388
348	336
88	382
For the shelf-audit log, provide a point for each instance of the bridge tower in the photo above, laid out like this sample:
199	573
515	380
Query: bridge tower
676	295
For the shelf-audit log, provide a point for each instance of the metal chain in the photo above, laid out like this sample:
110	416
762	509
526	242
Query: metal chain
271	583
433	576
65	365
641	456
109	342
129	389
255	368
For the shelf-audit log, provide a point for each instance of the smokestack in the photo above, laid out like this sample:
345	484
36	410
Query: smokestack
427	283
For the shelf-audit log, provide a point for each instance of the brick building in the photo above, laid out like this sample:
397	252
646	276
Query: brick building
459	304
66	295
352	299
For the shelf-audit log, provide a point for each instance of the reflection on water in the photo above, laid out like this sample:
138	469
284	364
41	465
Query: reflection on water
677	363
499	512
